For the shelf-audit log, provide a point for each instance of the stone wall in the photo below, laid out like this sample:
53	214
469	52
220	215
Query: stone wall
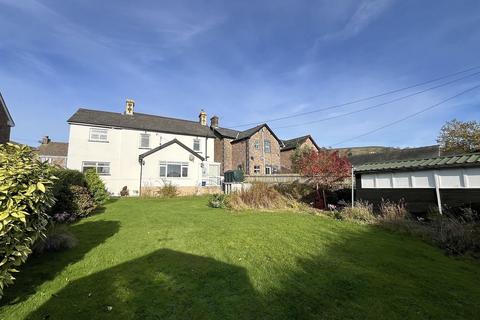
255	156
286	156
239	156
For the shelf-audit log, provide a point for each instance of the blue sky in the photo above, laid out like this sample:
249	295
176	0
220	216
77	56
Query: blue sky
244	61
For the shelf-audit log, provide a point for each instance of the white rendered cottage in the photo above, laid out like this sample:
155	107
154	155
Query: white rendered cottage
139	150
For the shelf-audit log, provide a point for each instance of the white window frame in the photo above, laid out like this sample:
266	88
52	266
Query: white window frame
268	169
267	146
195	141
256	169
97	166
98	135
142	135
257	144
165	164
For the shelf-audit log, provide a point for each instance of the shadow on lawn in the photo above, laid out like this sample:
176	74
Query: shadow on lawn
89	234
364	275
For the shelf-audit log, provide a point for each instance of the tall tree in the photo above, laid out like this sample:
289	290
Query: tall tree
326	170
459	137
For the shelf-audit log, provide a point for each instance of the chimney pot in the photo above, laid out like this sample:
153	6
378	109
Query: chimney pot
129	107
46	140
214	122
202	118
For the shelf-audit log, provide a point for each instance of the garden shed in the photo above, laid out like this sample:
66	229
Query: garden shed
433	183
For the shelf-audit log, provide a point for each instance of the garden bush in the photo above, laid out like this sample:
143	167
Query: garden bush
220	200
261	196
168	191
61	189
25	197
82	202
57	238
96	187
362	212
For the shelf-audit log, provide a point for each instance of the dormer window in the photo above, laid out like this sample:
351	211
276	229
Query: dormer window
98	135
144	141
196	144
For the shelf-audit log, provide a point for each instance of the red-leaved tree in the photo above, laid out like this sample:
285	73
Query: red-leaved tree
326	170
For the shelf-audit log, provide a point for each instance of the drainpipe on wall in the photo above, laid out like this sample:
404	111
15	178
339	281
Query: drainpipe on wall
437	191
141	162
353	187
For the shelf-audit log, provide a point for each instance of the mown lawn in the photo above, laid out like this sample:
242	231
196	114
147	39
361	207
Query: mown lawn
179	259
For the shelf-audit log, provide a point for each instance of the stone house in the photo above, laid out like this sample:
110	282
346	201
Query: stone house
6	121
289	147
255	150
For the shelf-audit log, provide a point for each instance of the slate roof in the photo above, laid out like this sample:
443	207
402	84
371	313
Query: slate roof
140	121
227	133
57	149
293	143
465	160
250	132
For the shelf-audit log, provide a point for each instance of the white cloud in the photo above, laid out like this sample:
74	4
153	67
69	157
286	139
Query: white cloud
365	13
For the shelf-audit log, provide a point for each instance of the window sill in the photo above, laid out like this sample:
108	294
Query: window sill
145	148
98	141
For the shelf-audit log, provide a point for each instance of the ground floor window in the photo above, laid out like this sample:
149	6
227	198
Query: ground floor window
256	169
172	169
268	169
102	168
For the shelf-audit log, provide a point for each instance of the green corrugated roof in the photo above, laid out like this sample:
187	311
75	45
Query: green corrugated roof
430	163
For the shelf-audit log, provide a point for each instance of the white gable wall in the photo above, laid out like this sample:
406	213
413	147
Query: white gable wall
122	151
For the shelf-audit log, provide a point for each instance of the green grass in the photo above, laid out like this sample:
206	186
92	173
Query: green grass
179	259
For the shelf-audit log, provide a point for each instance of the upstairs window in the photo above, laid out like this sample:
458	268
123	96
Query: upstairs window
196	145
102	168
173	169
267	148
257	144
98	135
144	141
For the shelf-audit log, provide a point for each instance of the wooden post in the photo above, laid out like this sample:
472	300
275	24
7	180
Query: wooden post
437	190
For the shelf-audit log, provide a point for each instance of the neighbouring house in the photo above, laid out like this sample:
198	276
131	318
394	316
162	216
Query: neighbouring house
6	122
139	150
289	147
54	153
256	151
452	181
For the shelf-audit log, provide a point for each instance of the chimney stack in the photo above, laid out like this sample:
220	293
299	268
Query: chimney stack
202	117
214	122
129	106
46	140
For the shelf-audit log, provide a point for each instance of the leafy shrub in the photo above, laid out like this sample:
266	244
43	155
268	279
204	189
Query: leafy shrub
218	200
96	187
392	211
362	212
261	196
124	192
65	217
25	196
61	189
82	201
168	191
295	190
57	238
